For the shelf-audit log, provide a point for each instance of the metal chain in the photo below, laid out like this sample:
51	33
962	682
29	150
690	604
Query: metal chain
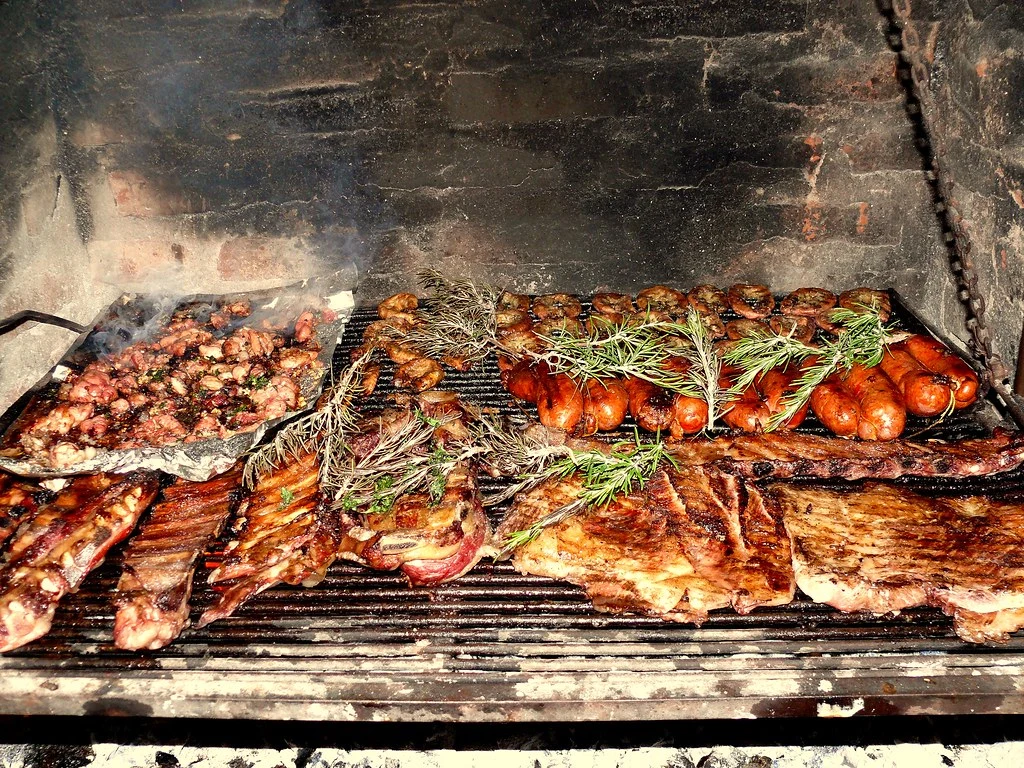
906	41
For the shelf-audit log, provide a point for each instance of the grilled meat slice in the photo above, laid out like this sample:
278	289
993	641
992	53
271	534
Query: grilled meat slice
154	588
885	548
429	542
802	455
691	542
54	552
18	502
284	533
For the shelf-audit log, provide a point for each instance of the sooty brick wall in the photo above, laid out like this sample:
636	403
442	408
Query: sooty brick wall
977	66
552	145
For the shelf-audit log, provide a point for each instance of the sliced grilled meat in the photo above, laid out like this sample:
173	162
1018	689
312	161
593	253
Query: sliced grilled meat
693	541
885	548
155	586
54	552
284	532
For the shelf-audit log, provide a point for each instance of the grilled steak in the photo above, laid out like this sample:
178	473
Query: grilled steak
284	533
691	542
18	502
885	548
429	542
54	552
801	455
153	592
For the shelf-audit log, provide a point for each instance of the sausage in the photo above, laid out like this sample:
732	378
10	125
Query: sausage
747	412
521	380
925	393
650	405
935	357
882	412
607	402
555	305
512	320
689	415
559	401
807	302
751	301
774	386
836	407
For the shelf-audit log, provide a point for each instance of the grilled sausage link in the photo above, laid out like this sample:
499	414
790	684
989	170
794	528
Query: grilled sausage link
774	386
935	357
882	412
606	402
559	401
925	393
689	416
650	405
836	407
521	380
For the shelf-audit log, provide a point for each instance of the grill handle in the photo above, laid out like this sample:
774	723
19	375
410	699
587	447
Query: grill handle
8	324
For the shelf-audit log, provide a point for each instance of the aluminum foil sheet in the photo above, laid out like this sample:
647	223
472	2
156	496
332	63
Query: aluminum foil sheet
128	320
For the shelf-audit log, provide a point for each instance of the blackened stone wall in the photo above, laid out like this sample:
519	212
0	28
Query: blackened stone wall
550	145
976	53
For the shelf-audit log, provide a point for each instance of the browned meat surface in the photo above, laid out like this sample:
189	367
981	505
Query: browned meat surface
284	533
17	504
691	542
155	585
429	542
54	552
885	548
201	377
801	455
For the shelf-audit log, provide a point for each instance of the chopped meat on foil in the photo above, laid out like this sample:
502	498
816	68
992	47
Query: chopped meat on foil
56	549
159	563
197	378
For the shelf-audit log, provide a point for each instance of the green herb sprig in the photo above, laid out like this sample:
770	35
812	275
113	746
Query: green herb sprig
459	319
610	349
861	339
606	476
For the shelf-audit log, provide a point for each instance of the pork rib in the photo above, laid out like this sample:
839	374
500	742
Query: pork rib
692	541
54	551
284	533
154	588
802	455
885	548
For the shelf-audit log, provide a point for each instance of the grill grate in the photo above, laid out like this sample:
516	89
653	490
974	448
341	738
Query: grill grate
362	645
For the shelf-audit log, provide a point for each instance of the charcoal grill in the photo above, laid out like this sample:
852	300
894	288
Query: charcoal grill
498	646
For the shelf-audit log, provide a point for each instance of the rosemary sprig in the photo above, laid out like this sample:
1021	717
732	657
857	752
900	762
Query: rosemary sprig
861	339
402	460
510	451
322	430
618	349
458	320
605	476
705	372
